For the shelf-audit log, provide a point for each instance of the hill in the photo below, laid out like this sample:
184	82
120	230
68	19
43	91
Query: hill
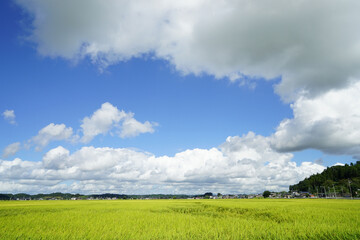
334	181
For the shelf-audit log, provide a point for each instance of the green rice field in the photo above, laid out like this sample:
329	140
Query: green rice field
181	219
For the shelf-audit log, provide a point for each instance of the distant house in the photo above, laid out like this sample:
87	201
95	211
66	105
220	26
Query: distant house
304	194
295	194
228	196
242	196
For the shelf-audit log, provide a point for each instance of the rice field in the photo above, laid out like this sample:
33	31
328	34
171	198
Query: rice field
181	219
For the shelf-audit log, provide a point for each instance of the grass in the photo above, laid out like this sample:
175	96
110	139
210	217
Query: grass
181	219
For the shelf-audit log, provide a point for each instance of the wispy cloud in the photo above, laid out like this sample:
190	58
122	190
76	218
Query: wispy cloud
9	115
11	149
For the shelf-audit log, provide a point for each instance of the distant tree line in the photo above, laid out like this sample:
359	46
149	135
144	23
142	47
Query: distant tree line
68	196
336	180
24	196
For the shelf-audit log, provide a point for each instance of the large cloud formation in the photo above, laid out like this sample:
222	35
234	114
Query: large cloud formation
329	122
313	45
241	164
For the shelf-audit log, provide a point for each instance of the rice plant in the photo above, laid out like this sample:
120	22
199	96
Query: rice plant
181	219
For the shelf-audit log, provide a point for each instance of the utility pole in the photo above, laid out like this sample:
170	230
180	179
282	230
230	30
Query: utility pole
350	188
334	191
317	191
325	191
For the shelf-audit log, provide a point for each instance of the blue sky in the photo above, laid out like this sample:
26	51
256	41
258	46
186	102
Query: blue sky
185	101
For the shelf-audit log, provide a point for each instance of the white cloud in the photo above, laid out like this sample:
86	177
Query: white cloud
52	132
101	121
313	45
329	122
56	158
131	127
11	149
241	164
9	115
107	117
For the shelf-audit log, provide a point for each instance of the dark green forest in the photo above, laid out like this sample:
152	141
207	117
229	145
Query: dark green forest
336	181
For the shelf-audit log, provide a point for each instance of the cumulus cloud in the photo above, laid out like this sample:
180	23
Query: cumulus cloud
102	121
130	127
52	132
241	164
9	115
330	123
11	149
314	46
109	117
56	158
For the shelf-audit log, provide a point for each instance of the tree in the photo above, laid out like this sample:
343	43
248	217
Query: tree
208	195
335	177
266	194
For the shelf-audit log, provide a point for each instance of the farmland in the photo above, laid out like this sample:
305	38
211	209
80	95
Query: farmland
181	219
